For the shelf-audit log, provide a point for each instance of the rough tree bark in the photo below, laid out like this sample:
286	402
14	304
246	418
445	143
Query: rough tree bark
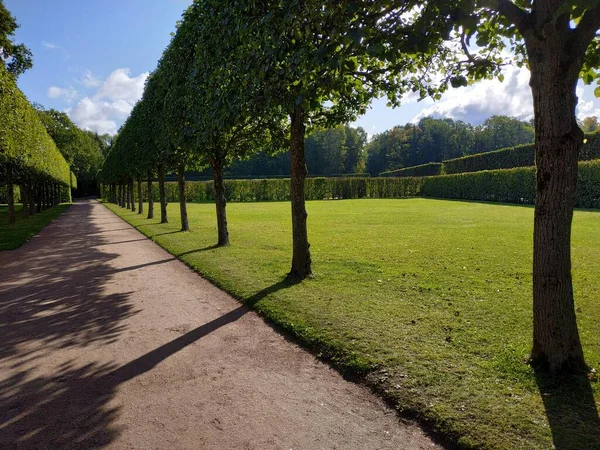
10	194
301	263
220	202
558	140
185	226
150	199
163	194
140	197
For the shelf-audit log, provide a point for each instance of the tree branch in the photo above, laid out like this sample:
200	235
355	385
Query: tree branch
519	17
586	30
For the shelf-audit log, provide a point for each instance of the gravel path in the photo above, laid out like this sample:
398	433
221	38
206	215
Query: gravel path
108	341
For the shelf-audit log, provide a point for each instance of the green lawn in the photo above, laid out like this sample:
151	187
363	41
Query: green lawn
13	236
429	299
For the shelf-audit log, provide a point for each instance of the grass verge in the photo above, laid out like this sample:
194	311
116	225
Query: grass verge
13	236
428	300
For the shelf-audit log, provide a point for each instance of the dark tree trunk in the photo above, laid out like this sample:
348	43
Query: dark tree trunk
558	140
301	263
150	199
38	194
131	195
127	187
25	200
31	198
220	202
10	194
163	194
123	195
185	226
140	197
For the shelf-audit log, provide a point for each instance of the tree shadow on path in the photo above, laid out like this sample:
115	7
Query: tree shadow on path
74	407
571	411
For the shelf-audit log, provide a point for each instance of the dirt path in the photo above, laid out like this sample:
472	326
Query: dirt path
107	341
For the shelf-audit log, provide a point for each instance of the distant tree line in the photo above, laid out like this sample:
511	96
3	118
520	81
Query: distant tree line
435	140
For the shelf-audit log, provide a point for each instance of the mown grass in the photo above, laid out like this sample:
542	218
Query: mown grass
13	236
430	300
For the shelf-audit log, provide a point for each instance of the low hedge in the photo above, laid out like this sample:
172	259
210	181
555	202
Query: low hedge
423	170
510	185
279	189
515	185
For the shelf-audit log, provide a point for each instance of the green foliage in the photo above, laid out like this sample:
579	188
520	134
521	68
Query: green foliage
515	185
16	57
81	149
506	158
423	170
24	143
434	140
279	189
520	156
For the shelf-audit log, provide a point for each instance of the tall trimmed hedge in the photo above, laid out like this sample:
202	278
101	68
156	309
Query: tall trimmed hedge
423	170
24	143
506	158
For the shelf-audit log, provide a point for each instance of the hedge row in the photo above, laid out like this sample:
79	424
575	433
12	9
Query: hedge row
423	170
506	158
510	185
24	143
504	185
279	189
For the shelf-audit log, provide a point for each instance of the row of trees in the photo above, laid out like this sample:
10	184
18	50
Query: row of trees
28	155
240	72
435	140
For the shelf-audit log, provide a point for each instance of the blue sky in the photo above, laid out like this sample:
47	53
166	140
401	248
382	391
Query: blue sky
91	58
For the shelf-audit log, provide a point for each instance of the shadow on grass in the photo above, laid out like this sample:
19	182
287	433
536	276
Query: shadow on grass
198	250
571	411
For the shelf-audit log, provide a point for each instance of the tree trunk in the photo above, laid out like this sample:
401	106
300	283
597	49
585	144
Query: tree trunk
150	199
220	203
301	263
31	198
10	194
127	195
140	197
131	195
38	194
25	200
163	194
558	140
185	226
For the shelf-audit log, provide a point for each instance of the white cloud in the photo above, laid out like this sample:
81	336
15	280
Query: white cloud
68	93
104	111
52	47
89	80
486	98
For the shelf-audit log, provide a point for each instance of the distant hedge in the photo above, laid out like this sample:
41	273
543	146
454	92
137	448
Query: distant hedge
279	189
423	170
510	185
503	185
506	158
